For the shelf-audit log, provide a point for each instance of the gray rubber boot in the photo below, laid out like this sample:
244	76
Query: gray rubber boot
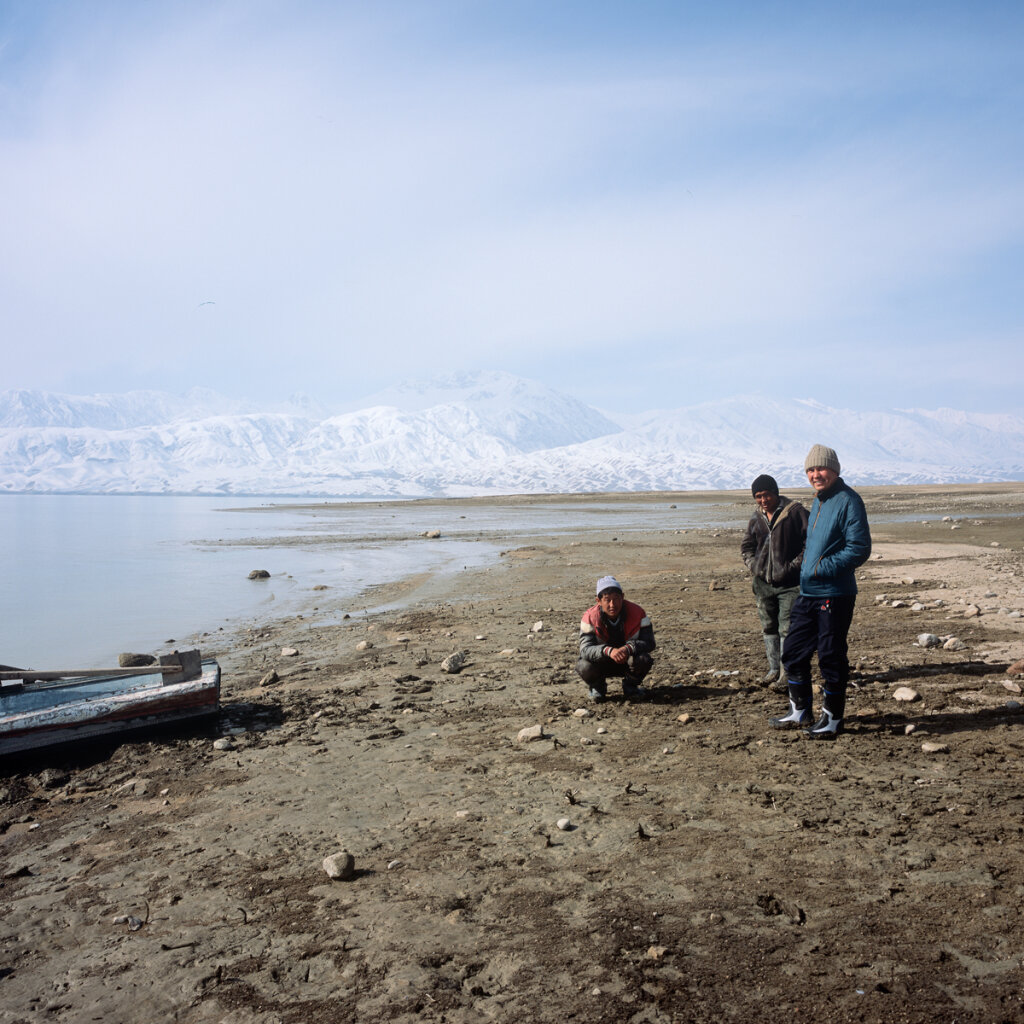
773	648
800	714
781	682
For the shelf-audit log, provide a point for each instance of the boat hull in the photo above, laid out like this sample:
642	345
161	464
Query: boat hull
38	718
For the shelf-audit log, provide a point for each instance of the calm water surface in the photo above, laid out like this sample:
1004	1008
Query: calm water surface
88	576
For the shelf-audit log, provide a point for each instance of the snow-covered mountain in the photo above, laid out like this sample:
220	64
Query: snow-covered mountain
485	433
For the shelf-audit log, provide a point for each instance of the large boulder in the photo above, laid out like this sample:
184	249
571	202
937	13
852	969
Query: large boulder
129	660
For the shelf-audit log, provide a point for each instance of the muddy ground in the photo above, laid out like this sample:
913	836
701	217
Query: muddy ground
712	869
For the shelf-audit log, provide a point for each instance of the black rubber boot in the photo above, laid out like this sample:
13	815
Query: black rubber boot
632	690
800	713
830	724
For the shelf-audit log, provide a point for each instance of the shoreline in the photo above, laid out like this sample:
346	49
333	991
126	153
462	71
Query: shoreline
396	595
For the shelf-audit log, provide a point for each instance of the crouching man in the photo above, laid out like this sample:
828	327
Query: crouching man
838	542
616	639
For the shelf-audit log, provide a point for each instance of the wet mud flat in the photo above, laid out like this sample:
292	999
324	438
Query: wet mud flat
707	869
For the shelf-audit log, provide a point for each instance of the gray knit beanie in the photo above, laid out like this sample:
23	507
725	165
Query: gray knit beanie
819	455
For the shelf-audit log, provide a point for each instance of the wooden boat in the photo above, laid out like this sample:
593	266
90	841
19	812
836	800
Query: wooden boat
39	710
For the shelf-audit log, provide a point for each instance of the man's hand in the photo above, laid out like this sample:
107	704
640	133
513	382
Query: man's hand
620	655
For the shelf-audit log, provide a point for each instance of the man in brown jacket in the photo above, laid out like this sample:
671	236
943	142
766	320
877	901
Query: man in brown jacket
773	549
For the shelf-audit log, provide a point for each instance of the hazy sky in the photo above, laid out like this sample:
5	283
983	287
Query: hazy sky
644	204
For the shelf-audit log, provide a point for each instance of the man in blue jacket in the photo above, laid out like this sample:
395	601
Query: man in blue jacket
838	541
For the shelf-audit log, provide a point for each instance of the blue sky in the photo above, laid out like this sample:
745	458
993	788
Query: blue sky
645	205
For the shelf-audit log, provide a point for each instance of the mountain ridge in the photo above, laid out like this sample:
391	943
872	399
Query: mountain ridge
486	433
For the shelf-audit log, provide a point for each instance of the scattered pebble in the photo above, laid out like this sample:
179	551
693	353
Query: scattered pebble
601	731
1016	669
224	743
340	866
270	678
905	693
538	627
364	645
392	864
143	788
954	644
259	574
581	713
531	732
289	652
928	640
909	728
1010	685
684	718
454	663
564	824
657	952
930	747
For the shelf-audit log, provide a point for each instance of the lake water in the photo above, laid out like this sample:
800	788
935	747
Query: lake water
87	576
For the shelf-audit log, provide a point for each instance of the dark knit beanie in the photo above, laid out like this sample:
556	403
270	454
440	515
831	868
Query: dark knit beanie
819	455
764	483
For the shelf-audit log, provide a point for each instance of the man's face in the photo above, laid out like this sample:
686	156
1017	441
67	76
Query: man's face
767	501
610	602
821	478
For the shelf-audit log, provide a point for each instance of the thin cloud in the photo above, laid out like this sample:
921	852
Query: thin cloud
348	184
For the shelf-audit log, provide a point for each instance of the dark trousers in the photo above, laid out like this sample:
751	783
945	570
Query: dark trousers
597	673
819	624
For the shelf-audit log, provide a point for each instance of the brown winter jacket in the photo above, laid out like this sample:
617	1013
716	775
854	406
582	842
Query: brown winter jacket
774	551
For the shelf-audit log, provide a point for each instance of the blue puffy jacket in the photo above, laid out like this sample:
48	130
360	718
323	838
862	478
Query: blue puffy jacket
838	541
